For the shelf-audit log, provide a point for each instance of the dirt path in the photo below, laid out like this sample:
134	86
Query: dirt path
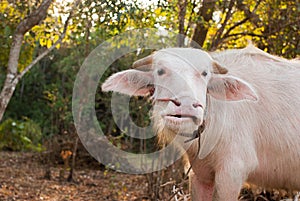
22	178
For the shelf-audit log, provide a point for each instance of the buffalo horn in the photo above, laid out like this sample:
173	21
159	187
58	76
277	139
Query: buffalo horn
144	63
218	69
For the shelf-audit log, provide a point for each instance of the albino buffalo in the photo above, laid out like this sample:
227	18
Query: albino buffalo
249	102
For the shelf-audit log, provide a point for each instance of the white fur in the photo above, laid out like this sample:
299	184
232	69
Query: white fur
254	136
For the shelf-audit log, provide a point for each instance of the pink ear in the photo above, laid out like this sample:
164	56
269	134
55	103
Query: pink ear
231	89
131	82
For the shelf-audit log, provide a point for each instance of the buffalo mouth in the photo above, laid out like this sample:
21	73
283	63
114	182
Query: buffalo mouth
182	117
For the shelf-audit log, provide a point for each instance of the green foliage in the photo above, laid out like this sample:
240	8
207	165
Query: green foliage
20	135
10	16
44	34
45	93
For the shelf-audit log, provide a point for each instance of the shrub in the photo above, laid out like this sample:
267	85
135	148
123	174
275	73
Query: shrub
20	135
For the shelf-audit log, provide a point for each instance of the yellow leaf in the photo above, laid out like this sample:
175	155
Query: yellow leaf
157	11
49	43
3	5
42	42
56	37
58	46
284	6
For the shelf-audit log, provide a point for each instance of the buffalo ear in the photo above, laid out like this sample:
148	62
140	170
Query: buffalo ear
130	82
230	88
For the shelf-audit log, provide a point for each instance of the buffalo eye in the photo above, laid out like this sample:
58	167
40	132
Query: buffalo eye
204	73
161	71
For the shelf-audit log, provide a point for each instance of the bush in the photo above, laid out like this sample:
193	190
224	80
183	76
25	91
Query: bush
20	135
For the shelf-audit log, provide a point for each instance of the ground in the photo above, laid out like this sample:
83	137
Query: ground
22	177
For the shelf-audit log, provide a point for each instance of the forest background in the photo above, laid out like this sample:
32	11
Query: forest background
43	44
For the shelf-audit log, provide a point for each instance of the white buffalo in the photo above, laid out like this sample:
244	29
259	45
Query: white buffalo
249	103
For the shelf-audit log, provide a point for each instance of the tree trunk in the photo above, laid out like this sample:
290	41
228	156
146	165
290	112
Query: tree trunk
181	17
12	77
9	86
205	14
6	94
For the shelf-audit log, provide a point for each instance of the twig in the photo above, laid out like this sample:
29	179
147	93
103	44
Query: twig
71	174
167	183
244	34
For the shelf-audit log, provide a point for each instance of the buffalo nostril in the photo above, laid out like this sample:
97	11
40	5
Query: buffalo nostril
195	105
176	102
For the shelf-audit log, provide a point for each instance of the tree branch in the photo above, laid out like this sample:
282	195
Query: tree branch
34	18
42	55
217	37
234	26
252	16
281	26
244	34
